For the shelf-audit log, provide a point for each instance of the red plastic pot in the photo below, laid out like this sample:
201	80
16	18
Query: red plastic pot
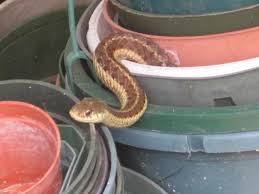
29	150
200	50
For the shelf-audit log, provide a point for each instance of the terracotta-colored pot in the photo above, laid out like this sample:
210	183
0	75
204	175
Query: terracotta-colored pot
200	50
30	150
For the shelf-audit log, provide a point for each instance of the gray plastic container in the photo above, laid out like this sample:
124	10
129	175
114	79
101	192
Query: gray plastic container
193	164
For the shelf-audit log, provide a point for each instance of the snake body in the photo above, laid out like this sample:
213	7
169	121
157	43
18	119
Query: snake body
117	78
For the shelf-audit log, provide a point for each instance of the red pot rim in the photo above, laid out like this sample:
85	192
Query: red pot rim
57	137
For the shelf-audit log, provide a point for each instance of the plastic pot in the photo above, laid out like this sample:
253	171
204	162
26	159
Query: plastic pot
20	12
110	187
29	136
73	140
99	183
177	119
192	163
239	18
120	181
194	50
186	86
207	145
68	158
57	102
181	7
36	30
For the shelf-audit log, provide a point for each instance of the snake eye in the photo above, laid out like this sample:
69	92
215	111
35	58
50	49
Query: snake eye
88	112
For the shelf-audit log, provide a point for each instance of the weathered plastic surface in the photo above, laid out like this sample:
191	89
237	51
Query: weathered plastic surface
99	184
195	49
58	111
120	180
83	24
81	169
187	24
110	187
86	170
67	161
173	119
195	173
170	142
19	12
76	141
181	7
176	119
45	96
174	161
186	86
136	183
34	136
43	48
192	163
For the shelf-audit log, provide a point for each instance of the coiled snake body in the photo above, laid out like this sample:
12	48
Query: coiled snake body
117	78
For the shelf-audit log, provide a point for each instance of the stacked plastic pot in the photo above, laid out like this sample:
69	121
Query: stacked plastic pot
42	149
200	132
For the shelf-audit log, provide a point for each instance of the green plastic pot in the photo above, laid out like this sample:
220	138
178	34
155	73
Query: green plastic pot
169	119
42	48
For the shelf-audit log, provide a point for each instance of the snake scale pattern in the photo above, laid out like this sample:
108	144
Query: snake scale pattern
117	78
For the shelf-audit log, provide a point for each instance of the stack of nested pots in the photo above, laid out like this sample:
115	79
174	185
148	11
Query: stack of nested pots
43	150
199	134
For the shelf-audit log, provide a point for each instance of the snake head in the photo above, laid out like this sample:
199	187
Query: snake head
88	110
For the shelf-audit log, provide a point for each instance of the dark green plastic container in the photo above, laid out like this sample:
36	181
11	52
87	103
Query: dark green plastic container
32	50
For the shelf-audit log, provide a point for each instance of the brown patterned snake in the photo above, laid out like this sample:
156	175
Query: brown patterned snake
117	78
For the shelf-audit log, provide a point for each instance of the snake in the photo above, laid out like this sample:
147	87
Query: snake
107	63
